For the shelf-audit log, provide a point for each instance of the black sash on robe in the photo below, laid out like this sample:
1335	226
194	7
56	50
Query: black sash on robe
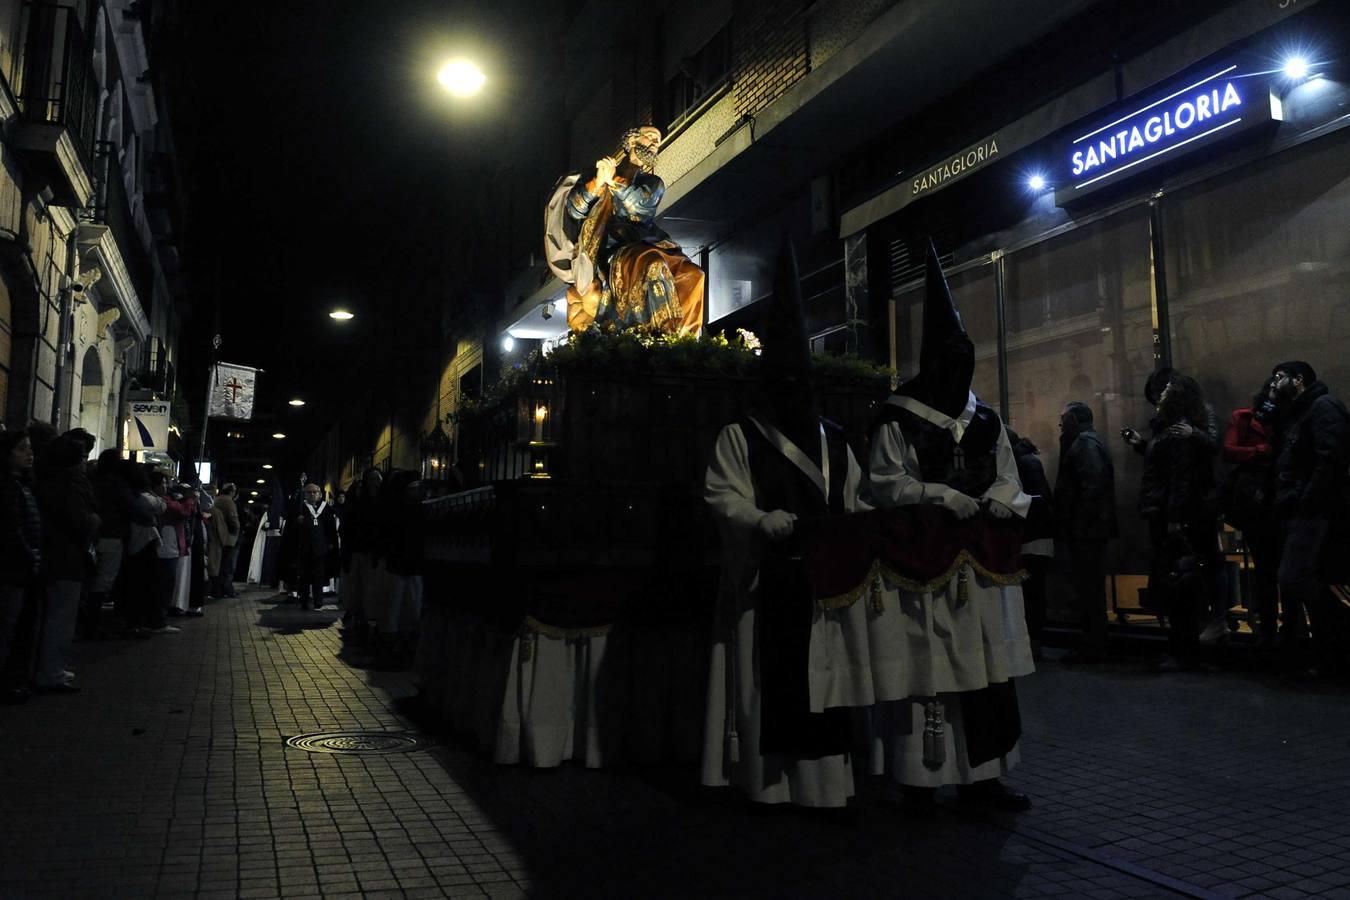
993	719
784	608
970	466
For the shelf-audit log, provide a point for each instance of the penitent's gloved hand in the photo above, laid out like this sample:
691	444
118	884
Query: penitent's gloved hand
777	525
959	503
999	510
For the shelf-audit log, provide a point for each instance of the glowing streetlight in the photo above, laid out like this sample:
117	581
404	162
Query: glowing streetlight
461	78
297	402
278	435
267	465
262	481
1296	68
341	315
1036	183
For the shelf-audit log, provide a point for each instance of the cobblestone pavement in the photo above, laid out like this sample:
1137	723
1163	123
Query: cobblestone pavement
169	776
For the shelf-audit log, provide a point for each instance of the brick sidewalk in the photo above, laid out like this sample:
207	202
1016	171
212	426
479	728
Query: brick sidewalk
169	776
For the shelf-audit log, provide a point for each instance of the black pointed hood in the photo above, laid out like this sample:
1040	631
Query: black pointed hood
785	366
786	350
946	354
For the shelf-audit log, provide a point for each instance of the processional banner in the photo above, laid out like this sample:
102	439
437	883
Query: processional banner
232	389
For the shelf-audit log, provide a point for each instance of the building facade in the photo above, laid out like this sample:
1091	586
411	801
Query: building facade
88	217
1113	187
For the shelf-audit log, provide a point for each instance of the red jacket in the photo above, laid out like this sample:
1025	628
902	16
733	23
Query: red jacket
1246	439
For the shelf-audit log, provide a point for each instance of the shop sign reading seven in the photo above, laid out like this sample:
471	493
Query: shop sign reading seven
1194	112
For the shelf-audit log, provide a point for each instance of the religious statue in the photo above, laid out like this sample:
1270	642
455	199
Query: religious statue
601	239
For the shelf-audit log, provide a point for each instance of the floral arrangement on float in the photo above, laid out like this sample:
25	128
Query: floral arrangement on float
675	378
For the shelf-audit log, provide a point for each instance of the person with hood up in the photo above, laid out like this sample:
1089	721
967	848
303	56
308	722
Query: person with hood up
943	656
1085	501
1310	502
70	526
774	473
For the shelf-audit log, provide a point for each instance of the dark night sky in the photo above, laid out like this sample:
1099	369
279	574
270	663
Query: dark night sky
320	159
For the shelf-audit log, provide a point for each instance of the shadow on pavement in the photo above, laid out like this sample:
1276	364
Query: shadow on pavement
655	832
291	619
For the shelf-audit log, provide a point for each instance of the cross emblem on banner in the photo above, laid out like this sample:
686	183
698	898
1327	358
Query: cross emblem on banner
959	459
234	386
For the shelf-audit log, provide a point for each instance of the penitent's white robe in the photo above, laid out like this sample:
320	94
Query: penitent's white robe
934	644
733	690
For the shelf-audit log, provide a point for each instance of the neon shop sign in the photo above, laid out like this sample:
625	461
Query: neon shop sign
1205	110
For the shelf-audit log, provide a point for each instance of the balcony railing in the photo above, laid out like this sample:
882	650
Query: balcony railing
52	74
112	207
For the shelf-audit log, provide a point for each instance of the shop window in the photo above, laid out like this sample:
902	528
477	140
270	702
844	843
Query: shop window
1079	318
1258	271
976	296
698	77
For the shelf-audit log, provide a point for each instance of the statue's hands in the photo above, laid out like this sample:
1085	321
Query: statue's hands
962	505
999	510
777	525
605	168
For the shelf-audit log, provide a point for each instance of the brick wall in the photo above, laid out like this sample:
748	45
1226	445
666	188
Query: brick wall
771	51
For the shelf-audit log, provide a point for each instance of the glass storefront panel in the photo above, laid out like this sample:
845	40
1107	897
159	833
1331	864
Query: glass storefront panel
1258	271
1080	328
975	295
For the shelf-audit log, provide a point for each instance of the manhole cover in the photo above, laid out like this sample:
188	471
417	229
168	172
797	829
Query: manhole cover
359	742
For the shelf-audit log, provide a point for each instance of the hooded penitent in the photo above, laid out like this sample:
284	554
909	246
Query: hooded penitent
946	354
786	385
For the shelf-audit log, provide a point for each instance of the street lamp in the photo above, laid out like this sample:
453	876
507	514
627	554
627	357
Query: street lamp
267	465
278	435
461	78
341	315
297	402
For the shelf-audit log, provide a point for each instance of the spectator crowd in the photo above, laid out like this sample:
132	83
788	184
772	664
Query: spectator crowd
1278	476
98	549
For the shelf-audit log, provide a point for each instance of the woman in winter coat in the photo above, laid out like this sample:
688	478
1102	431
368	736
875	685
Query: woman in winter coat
1176	497
70	527
20	560
1249	501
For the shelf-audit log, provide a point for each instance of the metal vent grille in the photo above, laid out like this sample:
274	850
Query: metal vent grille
907	261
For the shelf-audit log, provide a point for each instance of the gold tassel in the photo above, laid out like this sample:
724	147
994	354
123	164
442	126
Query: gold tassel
934	746
877	606
526	646
963	586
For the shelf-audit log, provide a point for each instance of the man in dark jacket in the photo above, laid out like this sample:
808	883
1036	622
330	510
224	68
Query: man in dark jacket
20	559
70	526
1310	495
115	502
1085	506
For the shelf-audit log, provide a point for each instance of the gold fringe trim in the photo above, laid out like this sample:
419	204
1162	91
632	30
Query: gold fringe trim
843	601
534	626
921	587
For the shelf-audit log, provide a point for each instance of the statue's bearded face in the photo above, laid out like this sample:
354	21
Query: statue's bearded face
643	145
